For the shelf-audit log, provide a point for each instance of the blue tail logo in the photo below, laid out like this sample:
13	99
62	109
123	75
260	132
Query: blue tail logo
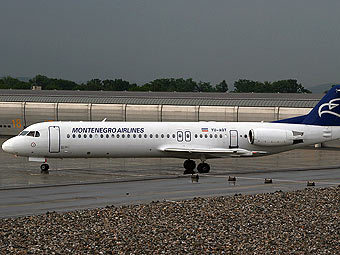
325	113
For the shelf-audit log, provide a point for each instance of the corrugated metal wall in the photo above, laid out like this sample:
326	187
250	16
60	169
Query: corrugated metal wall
14	116
115	112
39	112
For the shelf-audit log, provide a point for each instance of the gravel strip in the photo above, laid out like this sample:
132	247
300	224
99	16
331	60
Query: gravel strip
298	222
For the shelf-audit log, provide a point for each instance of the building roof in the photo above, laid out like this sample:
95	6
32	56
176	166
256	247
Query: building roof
165	98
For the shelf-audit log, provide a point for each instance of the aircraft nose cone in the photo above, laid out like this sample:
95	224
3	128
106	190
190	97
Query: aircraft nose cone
7	147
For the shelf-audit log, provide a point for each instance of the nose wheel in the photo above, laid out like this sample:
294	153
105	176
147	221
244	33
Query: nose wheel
189	166
44	168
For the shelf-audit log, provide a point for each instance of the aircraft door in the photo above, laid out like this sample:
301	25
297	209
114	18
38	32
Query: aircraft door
187	136
54	139
233	139
180	136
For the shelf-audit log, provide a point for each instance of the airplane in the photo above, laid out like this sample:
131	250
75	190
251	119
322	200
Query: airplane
187	140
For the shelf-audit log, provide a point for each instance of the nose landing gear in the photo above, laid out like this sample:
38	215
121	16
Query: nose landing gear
189	166
44	168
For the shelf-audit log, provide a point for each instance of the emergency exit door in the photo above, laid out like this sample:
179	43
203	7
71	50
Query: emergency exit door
54	139
233	139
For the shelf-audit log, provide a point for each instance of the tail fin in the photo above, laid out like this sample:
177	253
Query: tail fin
325	113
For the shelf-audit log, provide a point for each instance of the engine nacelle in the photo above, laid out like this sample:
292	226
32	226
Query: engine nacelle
270	137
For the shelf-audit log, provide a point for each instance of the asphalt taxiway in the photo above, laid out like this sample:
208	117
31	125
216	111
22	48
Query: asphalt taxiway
89	183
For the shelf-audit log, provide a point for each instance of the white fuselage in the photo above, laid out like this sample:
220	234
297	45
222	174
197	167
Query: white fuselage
152	139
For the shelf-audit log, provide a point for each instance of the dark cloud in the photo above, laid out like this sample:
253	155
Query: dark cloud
143	40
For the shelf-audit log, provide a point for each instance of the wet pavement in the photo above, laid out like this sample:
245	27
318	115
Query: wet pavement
89	183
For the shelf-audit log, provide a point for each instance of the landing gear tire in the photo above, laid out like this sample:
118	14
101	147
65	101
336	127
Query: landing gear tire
203	168
44	168
189	166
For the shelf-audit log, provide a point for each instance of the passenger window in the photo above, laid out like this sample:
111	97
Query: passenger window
162	135
79	135
173	136
140	136
107	136
128	135
85	135
74	136
37	134
0	126
118	135
123	136
221	136
134	135
90	135
206	136
168	136
68	136
215	135
113	136
201	136
31	133
195	135
145	136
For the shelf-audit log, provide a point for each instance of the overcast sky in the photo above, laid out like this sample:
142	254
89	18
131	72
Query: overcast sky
141	40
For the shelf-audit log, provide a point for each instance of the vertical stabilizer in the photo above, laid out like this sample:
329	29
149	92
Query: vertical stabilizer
325	113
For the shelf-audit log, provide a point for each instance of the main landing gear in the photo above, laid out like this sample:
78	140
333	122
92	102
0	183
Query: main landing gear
203	168
44	168
190	166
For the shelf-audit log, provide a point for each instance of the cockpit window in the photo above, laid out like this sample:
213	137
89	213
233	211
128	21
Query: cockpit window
31	133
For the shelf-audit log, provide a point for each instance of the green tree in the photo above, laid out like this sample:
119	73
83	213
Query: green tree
40	80
117	85
283	86
222	86
247	86
92	85
11	83
289	86
204	87
169	84
52	83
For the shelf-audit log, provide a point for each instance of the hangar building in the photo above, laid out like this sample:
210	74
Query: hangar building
21	108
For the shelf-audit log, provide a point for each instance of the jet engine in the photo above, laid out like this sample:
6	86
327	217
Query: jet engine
270	137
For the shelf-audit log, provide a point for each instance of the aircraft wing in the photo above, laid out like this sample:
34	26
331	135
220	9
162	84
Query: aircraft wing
216	152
